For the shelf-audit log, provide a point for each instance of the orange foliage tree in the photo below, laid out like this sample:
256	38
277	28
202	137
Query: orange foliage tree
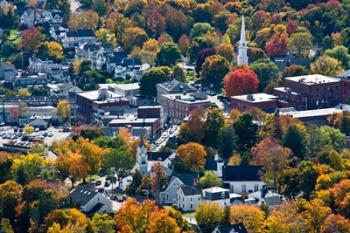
193	155
277	44
241	81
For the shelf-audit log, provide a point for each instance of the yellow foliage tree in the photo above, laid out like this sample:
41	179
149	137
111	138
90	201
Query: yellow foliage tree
63	109
193	155
28	129
24	92
251	217
54	49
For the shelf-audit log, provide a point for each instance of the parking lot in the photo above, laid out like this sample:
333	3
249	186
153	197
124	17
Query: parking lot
168	133
12	136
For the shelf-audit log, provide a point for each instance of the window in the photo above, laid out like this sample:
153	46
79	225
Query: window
256	188
191	206
232	189
244	188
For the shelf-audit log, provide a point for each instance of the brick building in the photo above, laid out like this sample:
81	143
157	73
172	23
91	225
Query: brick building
173	87
178	106
265	102
310	91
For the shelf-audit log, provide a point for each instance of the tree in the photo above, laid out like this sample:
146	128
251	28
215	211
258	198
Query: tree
214	70
200	29
193	155
340	197
53	49
65	220
316	213
158	179
256	54
168	54
10	197
209	179
134	36
246	132
226	141
86	19
240	81
307	175
179	73
145	217
100	7
341	53
294	140
335	223
331	158
251	217
286	218
150	79
103	223
202	55
277	44
194	128
28	129
31	39
106	37
119	159
327	65
63	109
24	92
294	70
31	165
213	123
209	215
92	155
266	70
184	44
300	43
270	154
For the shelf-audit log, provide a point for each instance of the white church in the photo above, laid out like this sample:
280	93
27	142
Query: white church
242	57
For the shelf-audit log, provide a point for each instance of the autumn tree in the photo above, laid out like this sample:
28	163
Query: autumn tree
294	70
106	37
327	65
341	53
10	197
202	55
63	109
28	129
53	49
240	81
316	213
103	223
274	157
31	39
145	217
340	195
65	220
158	179
193	155
184	44
335	223
24	92
277	44
87	19
119	159
134	36
300	43
214	70
200	29
251	217
168	54
193	130
226	51
179	73
27	168
150	79
209	215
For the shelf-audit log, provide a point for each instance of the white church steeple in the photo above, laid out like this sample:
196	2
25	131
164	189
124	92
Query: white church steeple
242	57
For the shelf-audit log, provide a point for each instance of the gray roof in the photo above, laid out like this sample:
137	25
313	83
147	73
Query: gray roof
346	74
83	194
273	200
190	190
235	228
175	86
38	122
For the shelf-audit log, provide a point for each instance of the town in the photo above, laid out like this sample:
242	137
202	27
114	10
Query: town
147	116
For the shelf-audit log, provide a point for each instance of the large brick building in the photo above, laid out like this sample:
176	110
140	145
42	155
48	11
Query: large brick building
265	102
310	91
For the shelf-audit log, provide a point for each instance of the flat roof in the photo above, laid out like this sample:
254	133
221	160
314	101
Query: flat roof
93	95
127	121
311	113
255	98
313	79
122	86
287	90
186	98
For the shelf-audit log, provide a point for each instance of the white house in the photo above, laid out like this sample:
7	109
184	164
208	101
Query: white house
243	179
80	36
93	52
188	197
125	182
221	196
91	201
168	195
33	16
56	17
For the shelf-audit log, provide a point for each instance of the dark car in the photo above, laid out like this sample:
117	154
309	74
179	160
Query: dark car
98	183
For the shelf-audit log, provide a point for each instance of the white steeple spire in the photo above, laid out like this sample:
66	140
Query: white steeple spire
242	57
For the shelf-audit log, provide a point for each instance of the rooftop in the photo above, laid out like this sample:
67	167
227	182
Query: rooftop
198	97
346	74
255	98
311	113
95	95
177	86
242	173
190	190
125	87
313	79
83	194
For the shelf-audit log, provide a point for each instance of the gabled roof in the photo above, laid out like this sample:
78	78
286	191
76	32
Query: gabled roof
346	74
190	190
186	178
235	228
83	194
242	173
38	122
210	163
81	33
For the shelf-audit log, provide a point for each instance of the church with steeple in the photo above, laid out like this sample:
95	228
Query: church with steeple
242	57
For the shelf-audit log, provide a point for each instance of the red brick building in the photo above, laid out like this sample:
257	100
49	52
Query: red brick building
265	102
310	91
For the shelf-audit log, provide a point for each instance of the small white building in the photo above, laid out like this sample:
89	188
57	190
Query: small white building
188	197
220	195
80	36
243	179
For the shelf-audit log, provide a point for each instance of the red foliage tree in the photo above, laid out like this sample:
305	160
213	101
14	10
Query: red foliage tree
277	44
31	39
292	26
241	81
